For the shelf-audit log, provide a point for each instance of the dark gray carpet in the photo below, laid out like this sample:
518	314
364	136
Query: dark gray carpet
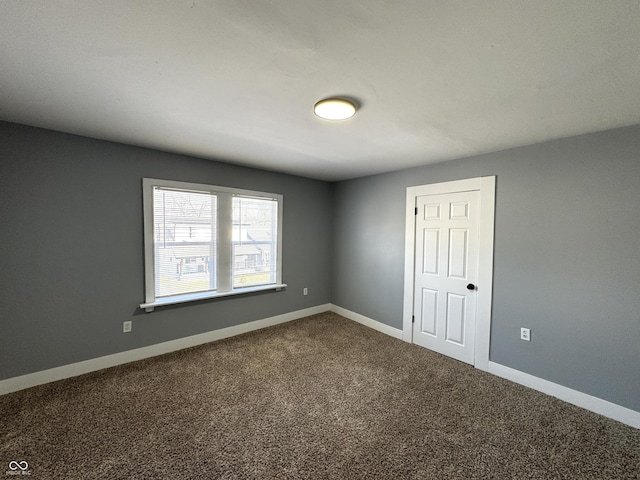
321	397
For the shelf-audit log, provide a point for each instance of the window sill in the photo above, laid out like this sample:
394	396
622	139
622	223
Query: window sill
193	297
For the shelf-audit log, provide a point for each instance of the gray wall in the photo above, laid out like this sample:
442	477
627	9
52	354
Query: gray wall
71	248
566	264
566	252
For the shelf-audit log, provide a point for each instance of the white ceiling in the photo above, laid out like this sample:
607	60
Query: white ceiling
236	80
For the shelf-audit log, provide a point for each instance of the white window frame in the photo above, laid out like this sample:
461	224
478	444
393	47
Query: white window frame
224	258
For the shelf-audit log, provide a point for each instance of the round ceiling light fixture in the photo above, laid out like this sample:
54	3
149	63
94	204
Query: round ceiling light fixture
334	109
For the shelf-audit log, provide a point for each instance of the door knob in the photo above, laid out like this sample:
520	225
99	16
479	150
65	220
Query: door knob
471	286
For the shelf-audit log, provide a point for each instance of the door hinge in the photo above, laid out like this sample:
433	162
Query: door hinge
413	319
416	211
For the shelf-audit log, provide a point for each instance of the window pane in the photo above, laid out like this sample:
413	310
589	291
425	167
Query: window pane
184	227
254	241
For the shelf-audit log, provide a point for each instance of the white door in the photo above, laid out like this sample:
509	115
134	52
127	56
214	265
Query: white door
446	273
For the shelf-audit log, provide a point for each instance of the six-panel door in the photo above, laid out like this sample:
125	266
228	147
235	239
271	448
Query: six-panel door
446	265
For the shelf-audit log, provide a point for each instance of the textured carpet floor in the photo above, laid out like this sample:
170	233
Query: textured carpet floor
321	397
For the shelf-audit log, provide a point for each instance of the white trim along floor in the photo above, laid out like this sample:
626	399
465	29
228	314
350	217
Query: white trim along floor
588	402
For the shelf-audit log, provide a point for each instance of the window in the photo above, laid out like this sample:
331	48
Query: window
203	241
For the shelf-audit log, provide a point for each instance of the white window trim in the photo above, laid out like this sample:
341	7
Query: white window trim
224	258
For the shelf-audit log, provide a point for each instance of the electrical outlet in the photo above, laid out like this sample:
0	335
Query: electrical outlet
305	291
126	326
525	334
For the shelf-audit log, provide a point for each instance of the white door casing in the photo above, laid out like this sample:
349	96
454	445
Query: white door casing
449	245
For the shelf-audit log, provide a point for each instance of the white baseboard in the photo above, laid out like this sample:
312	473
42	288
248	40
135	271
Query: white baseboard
66	371
367	322
583	400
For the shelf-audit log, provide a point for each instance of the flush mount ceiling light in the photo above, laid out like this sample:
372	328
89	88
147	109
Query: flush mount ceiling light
334	109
